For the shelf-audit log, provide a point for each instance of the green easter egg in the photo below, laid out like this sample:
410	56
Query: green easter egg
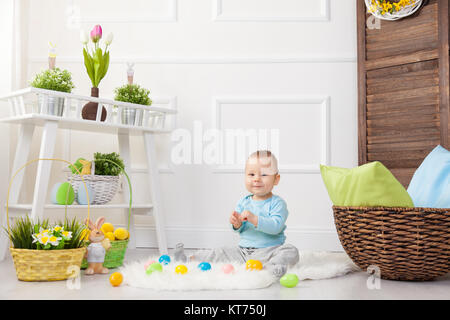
154	267
289	280
65	194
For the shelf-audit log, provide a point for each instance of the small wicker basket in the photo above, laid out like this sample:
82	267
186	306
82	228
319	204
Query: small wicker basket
405	243
105	187
114	256
403	13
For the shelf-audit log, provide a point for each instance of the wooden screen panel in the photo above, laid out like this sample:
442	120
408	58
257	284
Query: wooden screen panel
403	86
402	113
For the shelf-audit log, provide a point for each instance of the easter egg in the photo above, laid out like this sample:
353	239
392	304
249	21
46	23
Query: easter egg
121	234
116	279
181	269
253	265
110	236
107	227
82	197
289	280
164	259
228	268
148	263
204	266
62	193
154	267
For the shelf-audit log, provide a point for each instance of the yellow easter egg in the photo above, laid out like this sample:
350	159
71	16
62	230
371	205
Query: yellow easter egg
181	269
253	265
110	236
107	227
121	234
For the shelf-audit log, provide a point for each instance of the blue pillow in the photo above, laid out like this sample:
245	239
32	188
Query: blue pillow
430	185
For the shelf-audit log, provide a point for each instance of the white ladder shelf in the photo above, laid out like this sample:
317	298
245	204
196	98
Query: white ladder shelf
28	111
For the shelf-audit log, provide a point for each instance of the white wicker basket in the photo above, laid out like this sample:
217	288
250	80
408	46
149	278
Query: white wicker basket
105	187
403	13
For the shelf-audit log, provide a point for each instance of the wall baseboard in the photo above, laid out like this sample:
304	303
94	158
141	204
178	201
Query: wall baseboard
321	239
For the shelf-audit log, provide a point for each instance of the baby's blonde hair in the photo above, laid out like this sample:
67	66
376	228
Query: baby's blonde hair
266	158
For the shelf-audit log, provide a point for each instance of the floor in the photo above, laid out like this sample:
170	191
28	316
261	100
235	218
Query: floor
352	286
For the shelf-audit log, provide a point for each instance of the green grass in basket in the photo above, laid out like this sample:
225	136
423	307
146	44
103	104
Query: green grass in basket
23	228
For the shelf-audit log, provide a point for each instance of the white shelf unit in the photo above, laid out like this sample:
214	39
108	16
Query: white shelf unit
27	112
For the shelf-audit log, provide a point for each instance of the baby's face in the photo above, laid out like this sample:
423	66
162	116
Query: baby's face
260	177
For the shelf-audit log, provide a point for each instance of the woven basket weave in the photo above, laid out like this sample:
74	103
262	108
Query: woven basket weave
405	243
114	256
403	13
46	265
105	187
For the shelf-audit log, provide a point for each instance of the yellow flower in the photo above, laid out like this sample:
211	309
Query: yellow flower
57	228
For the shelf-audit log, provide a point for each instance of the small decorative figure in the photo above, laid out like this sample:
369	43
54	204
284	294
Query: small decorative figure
51	56
97	248
130	72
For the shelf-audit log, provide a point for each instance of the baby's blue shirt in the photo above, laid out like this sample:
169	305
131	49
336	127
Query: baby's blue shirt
272	214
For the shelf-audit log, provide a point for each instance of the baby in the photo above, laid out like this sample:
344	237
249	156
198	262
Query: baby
259	218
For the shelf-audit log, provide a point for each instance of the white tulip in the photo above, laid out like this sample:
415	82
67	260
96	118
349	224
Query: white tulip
109	38
84	37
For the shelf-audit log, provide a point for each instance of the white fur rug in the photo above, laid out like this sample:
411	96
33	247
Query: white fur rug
312	265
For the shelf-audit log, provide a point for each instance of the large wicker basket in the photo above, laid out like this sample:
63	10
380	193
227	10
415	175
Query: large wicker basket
105	187
46	265
405	243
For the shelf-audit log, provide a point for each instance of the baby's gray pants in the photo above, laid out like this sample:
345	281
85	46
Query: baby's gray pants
283	255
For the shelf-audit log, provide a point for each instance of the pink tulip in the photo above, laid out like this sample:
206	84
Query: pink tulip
96	33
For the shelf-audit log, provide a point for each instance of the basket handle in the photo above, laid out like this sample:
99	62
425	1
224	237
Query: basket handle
25	165
122	170
129	187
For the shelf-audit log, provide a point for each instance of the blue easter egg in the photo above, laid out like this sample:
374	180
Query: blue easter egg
204	266
53	193
164	259
81	194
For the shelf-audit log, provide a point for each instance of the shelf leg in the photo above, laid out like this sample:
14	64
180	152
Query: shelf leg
155	189
21	156
4	241
44	167
124	150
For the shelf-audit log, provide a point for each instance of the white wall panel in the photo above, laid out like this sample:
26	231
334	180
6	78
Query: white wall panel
290	62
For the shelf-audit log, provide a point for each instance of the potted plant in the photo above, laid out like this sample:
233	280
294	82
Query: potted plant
57	80
96	62
132	93
44	252
103	177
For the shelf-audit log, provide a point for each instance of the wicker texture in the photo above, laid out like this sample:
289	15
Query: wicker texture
403	13
114	256
105	187
46	265
405	243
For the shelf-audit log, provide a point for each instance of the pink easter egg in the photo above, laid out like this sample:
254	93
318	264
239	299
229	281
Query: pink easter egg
149	262
228	268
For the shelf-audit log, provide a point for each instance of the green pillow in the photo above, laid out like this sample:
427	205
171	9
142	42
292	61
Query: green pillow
369	185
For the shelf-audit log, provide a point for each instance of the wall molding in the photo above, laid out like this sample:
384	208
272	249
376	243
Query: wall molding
323	101
219	16
172	16
304	238
320	58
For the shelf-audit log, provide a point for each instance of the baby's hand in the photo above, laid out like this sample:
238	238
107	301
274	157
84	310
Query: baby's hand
235	220
250	217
